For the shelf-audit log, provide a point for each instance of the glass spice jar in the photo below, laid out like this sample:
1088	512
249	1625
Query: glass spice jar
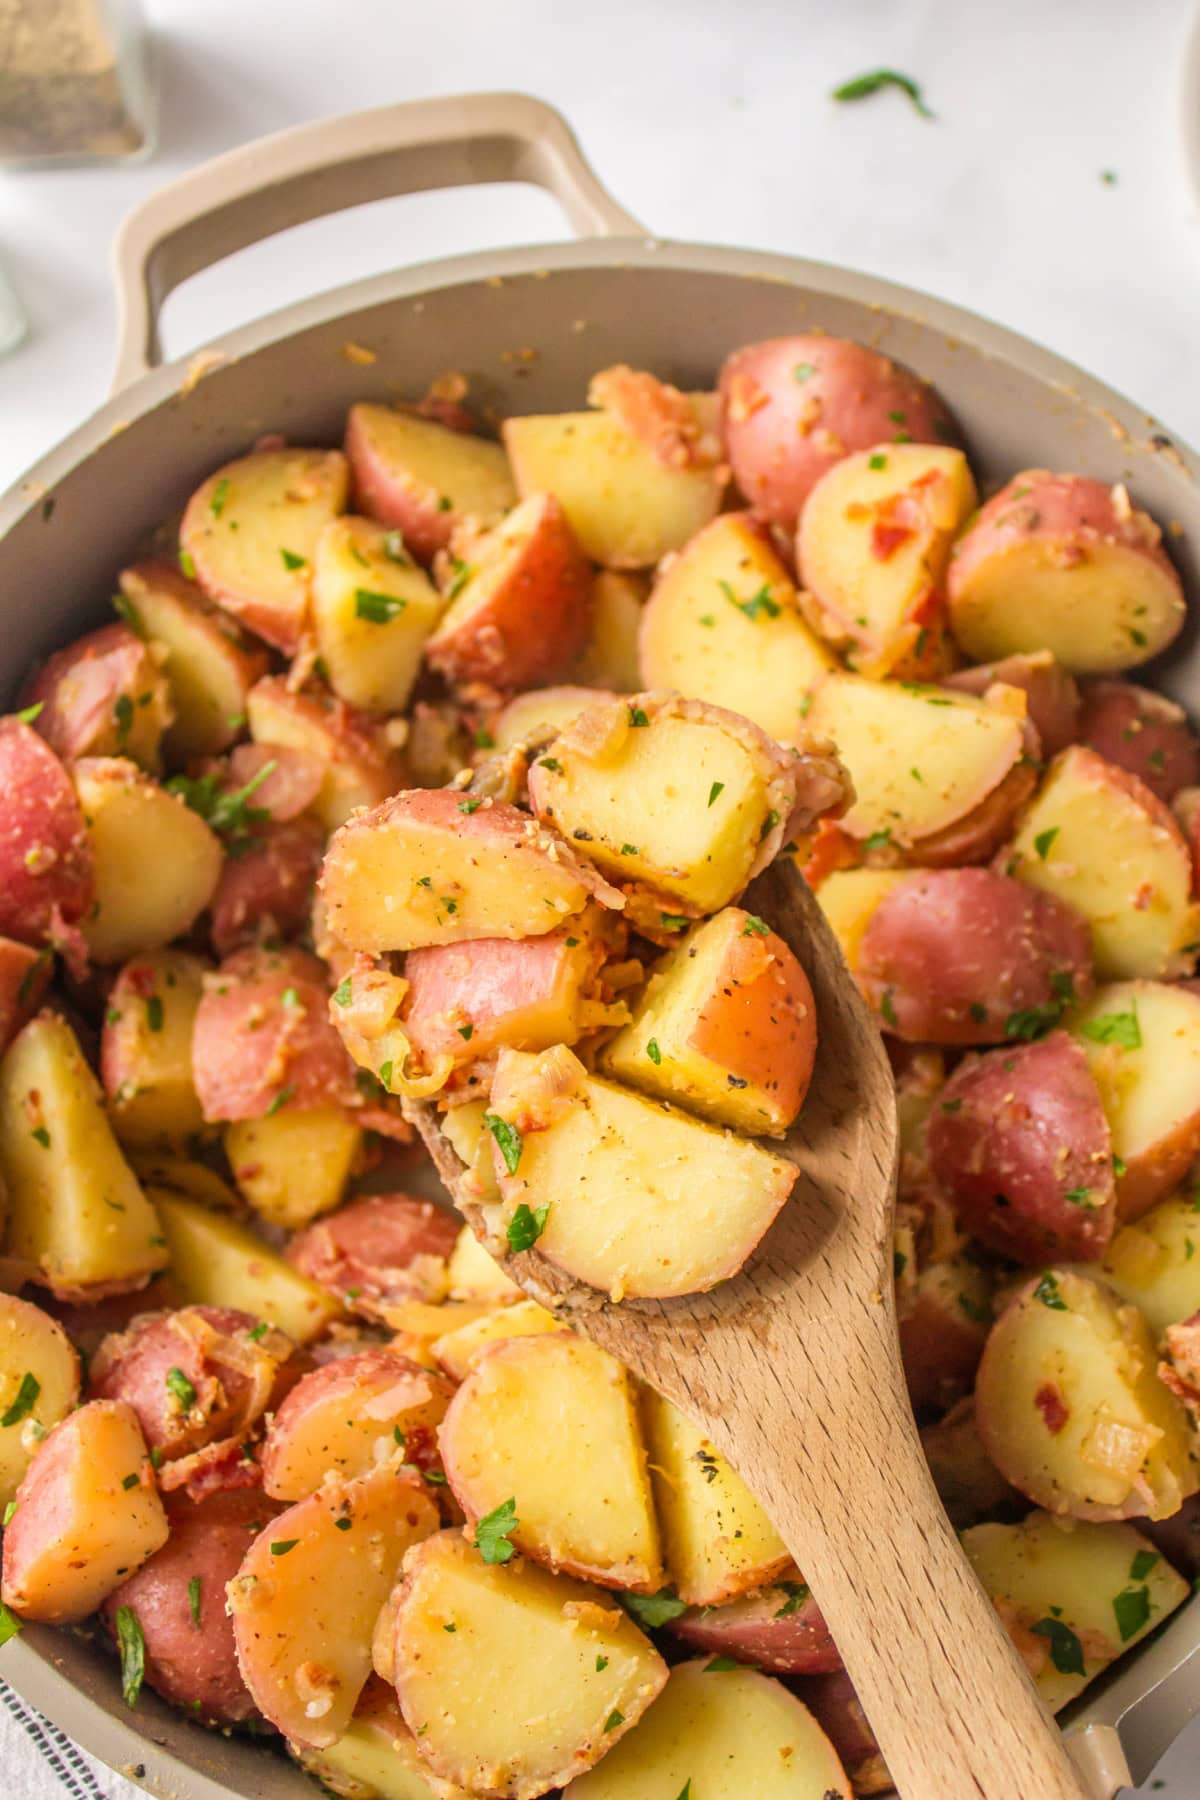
74	82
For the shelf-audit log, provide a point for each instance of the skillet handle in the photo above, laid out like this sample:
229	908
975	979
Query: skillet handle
275	182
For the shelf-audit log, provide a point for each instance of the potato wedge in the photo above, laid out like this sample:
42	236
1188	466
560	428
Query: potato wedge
459	1350
77	1213
520	609
47	877
722	624
341	1418
961	749
1142	1039
1073	1596
1070	1408
146	1048
79	1524
377	1757
1152	1263
1051	693
471	1274
39	1384
1142	731
448	870
1100	840
210	664
872	551
718	1541
471	1635
372	611
726	1027
362	766
609	659
250	533
215	1260
1066	564
310	1589
422	477
732	1733
642	1201
549	1421
293	1166
712	796
157	863
103	695
625	506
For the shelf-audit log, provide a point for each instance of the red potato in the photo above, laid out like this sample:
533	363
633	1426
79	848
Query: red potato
146	1048
838	1711
1019	1141
209	663
521	607
267	891
965	956
263	1040
424	477
178	1597
24	977
1143	732
336	1418
79	1524
943	1324
465	1000
47	872
291	784
1064	563
1051	693
777	1628
250	531
358	755
379	1252
194	1377
792	407
980	833
104	695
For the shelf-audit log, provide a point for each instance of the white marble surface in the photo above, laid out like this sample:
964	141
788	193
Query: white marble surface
710	119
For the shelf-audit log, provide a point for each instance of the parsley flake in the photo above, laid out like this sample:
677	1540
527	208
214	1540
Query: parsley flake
178	1384
526	1227
714	792
133	1653
508	1138
290	559
653	1052
493	1531
194	1600
1066	1651
1115	1028
26	1396
376	608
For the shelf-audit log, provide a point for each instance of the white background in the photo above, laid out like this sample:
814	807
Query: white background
710	119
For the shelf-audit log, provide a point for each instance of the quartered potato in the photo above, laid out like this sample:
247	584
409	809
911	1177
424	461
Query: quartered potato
104	695
39	1384
146	1048
1152	1262
376	1755
340	1419
422	478
373	609
458	1350
361	762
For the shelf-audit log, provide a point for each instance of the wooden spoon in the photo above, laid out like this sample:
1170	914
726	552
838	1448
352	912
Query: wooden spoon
793	1370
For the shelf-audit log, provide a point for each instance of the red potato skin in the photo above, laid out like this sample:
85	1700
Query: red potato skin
191	1661
838	1711
386	496
250	1046
291	787
755	1629
1142	732
268	890
1051	694
1071	511
377	1383
78	689
940	1348
977	836
24	978
478	987
134	1365
535	612
760	1018
340	735
948	940
46	867
1024	1129
782	432
390	1247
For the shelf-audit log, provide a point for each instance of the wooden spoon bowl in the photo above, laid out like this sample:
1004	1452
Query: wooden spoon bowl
792	1368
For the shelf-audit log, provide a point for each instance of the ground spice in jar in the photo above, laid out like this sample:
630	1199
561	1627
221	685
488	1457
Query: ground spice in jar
71	80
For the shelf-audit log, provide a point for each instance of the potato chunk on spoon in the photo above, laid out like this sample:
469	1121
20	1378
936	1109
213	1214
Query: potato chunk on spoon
792	1368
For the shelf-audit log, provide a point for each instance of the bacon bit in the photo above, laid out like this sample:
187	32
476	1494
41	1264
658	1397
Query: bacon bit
1143	897
1054	1410
887	539
657	414
829	848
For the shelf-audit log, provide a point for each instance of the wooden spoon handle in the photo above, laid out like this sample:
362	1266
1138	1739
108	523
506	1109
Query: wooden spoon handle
954	1710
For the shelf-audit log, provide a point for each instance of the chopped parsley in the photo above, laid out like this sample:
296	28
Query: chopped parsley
886	1008
1131	1609
469	806
757	605
154	1012
258	1332
508	1138
132	1646
637	716
466	1033
463	572
680	922
616	1717
187	564
123	714
493	1531
30	713
1047	1292
715	791
804	371
124	609
1115	1028
979	1315
550	762
879	461
9	1624
219	498
194	1600
1142	1564
653	1610
281	1546
755	927
343	993
279	1102
653	1052
26	1398
798	1593
178	1384
526	1227
376	608
290	559
130	1482
41	1136
1043	841
879	840
1066	1651
229	815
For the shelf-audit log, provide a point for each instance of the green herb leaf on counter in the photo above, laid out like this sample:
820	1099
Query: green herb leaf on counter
653	1610
861	87
526	1227
132	1646
1066	1651
494	1530
24	1401
508	1138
